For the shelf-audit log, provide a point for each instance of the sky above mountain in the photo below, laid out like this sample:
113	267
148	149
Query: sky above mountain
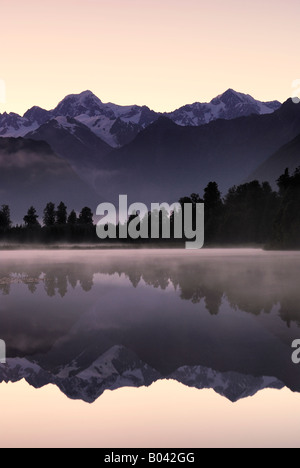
146	52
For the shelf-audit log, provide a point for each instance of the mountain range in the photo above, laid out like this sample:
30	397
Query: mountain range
166	161
119	367
154	156
117	125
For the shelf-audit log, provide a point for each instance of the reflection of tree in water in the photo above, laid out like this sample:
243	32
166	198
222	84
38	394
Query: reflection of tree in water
32	287
290	311
5	283
59	282
56	280
5	289
86	282
160	278
193	287
50	284
255	287
134	277
213	301
56	283
72	278
62	284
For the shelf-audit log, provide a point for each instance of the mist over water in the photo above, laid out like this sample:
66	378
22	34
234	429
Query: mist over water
226	310
91	321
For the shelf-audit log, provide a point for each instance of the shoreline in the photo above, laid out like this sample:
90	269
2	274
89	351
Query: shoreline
171	246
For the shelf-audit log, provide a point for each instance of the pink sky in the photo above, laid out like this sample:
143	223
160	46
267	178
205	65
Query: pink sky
167	414
162	53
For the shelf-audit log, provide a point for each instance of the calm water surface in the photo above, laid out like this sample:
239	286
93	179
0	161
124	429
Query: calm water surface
149	348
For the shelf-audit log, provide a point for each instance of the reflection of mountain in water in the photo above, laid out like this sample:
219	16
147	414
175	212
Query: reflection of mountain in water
249	288
209	321
119	367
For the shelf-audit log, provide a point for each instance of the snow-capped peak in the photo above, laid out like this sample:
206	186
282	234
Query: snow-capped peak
231	97
118	125
229	105
77	104
119	367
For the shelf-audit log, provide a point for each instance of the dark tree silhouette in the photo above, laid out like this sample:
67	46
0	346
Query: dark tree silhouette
49	215
72	218
31	219
5	221
284	182
286	232
86	216
61	214
213	211
212	197
250	213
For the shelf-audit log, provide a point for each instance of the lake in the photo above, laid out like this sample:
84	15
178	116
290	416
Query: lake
149	348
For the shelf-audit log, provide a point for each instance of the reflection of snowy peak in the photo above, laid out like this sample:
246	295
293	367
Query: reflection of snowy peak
232	385
119	367
22	368
116	368
118	125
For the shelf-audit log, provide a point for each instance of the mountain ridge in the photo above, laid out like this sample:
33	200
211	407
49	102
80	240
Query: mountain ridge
32	175
167	161
118	125
119	367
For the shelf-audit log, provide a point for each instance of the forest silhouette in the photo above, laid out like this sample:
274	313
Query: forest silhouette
249	214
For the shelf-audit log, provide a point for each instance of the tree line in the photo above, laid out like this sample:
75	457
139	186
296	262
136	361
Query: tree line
253	213
57	225
249	214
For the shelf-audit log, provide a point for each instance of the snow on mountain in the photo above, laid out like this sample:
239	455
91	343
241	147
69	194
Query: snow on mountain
66	123
74	105
229	105
118	125
13	125
119	367
37	115
232	385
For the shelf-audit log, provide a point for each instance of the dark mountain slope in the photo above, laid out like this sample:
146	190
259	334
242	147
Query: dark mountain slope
288	156
75	143
166	161
32	174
